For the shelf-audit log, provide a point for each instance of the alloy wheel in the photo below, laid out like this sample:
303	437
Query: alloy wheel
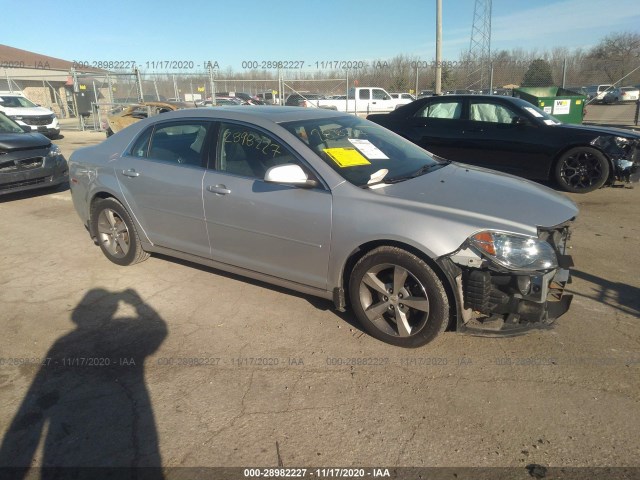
394	300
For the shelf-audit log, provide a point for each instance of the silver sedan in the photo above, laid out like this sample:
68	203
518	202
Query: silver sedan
335	206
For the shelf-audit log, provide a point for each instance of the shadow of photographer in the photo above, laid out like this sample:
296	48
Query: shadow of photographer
88	402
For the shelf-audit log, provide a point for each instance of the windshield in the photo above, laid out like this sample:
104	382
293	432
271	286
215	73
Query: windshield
361	151
16	102
9	126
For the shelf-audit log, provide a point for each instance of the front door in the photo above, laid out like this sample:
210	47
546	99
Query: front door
274	229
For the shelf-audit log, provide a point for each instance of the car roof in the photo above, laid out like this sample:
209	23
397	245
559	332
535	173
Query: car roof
264	113
472	96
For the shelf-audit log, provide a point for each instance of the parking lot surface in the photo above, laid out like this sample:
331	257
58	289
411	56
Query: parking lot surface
189	366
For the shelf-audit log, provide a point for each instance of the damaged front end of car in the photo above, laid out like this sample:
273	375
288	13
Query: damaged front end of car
624	152
509	283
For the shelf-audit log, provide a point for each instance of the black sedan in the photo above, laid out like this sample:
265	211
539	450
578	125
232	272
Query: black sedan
511	135
28	160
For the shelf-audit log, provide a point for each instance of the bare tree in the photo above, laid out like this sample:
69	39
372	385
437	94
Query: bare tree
617	54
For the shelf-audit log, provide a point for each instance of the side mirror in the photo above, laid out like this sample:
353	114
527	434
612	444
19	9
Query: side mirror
289	174
26	128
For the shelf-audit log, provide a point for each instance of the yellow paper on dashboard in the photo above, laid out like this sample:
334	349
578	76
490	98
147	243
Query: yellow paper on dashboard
346	157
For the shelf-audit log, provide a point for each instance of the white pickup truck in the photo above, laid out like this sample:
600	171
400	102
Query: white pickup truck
362	100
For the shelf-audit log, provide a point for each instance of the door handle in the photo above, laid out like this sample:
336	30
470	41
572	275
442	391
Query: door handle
130	173
218	189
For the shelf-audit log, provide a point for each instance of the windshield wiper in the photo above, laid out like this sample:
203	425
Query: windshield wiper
421	171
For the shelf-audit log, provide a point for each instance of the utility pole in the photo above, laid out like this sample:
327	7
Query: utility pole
438	47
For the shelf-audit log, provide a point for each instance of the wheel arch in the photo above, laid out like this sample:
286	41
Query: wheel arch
365	248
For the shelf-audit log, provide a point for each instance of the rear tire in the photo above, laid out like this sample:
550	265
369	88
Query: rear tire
115	232
398	298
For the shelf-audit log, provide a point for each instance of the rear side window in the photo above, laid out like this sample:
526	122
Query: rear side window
448	110
364	95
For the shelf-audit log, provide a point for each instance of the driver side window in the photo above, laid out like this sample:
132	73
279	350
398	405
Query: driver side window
248	152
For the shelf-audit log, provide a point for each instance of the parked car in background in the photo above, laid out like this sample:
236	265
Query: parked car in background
26	113
28	160
220	101
246	97
511	135
122	117
605	93
613	95
426	93
630	94
303	99
362	100
269	98
332	205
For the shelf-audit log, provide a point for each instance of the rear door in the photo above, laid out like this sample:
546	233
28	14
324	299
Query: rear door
161	179
274	229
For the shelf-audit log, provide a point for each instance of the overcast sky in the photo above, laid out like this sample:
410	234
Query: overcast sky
297	30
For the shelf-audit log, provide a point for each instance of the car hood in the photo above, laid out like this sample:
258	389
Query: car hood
26	111
496	199
618	132
20	141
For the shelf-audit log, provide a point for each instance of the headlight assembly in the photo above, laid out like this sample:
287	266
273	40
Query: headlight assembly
54	151
515	252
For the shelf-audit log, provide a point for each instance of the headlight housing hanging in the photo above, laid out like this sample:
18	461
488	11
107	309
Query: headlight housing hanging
514	252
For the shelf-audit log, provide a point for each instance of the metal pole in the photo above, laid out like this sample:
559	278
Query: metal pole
491	78
564	73
139	84
96	108
346	101
155	86
76	89
212	84
110	84
6	74
176	91
416	91
438	47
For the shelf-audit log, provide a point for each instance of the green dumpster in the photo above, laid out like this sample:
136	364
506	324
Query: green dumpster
566	105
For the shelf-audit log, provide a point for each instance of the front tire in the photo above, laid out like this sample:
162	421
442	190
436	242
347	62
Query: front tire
116	233
582	170
398	298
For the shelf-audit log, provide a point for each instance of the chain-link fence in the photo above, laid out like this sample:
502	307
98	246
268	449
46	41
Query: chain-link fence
90	97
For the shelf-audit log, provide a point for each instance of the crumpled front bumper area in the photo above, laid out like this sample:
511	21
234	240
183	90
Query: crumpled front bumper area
503	302
508	303
627	163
